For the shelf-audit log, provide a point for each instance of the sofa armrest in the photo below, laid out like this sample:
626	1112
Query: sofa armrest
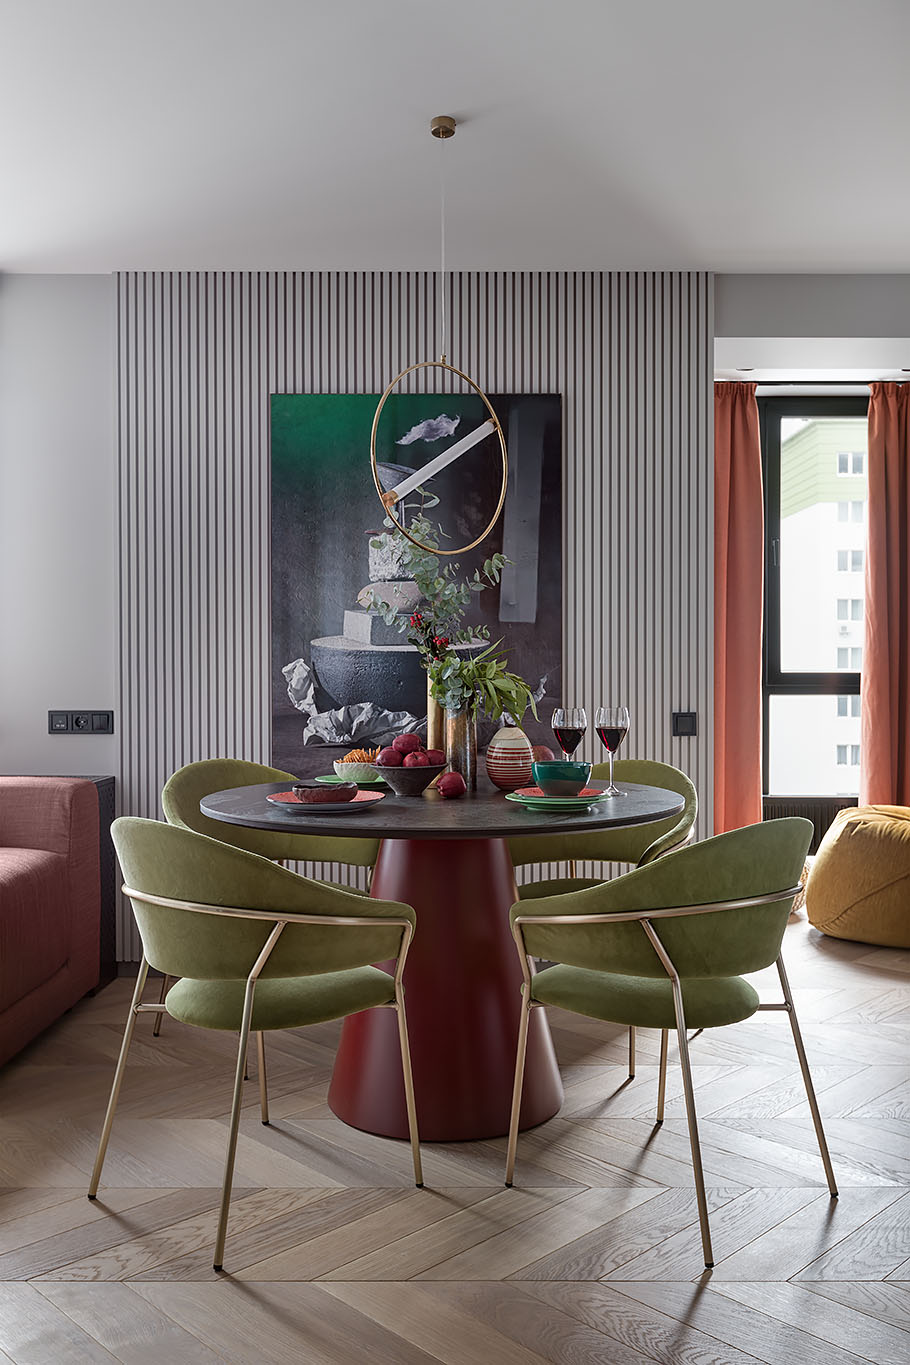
50	813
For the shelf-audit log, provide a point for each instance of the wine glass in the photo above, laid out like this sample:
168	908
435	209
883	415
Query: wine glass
569	726
612	725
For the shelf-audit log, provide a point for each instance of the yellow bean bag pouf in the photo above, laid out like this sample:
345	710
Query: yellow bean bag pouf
859	886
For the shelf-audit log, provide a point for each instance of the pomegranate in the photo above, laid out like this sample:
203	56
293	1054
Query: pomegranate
408	743
388	758
542	753
451	786
417	759
435	757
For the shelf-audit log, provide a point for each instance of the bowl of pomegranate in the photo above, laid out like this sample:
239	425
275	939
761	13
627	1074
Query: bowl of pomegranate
407	766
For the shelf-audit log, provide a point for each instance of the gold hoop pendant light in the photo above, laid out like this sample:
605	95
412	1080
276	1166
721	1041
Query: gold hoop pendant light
443	126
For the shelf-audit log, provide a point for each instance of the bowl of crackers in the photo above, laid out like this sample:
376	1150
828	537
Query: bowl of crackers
358	766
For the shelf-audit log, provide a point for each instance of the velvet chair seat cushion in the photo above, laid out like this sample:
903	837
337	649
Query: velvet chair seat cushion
280	1002
709	1002
34	935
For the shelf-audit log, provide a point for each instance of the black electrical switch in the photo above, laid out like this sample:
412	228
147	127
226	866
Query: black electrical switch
685	723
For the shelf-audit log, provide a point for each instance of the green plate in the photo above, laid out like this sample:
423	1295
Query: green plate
332	779
556	802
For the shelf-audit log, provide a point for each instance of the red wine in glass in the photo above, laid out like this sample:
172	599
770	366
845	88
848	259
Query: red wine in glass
569	726
611	736
612	725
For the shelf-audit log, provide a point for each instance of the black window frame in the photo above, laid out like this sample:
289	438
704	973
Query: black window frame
775	682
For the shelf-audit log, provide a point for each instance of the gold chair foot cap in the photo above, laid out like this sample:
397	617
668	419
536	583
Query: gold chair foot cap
91	1196
709	1265
419	1184
508	1184
265	1123
217	1267
658	1123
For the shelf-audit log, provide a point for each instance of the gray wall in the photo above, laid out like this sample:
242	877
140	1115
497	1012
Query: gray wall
199	355
58	528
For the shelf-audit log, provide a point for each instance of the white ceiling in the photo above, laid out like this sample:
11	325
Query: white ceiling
271	134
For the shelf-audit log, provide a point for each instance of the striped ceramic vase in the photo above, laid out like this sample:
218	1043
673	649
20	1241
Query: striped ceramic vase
509	759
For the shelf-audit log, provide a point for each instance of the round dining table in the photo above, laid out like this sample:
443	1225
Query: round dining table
450	861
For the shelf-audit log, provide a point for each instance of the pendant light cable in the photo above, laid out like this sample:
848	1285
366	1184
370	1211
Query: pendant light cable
442	250
442	127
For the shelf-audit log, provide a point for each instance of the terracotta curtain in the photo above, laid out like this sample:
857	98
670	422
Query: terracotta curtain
738	583
885	687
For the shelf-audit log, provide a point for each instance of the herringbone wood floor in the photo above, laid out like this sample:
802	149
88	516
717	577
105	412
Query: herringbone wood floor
594	1256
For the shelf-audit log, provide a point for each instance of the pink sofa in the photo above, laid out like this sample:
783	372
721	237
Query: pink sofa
50	893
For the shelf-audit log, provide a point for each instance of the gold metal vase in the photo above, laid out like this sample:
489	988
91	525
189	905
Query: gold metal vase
461	745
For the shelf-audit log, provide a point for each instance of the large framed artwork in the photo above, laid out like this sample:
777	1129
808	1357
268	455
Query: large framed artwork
341	676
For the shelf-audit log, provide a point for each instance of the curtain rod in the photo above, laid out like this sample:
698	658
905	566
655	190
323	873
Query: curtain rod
812	383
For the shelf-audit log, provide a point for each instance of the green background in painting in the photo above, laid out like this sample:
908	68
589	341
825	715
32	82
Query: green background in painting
325	507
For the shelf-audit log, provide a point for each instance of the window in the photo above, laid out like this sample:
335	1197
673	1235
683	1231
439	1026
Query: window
854	510
815	511
850	462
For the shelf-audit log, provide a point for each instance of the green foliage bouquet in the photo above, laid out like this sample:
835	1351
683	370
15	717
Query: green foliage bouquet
458	681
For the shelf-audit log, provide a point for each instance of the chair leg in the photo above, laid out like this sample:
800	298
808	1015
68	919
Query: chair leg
218	1260
631	1052
263	1078
693	1123
807	1079
408	1085
118	1078
662	1075
519	1081
165	987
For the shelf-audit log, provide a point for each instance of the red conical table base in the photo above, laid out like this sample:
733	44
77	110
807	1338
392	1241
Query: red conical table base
462	994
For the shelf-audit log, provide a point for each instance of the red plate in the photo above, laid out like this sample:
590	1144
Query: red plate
586	791
287	801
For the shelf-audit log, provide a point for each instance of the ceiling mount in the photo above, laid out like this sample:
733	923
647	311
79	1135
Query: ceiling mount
443	125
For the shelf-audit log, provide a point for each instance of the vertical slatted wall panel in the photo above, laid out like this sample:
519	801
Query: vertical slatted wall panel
199	355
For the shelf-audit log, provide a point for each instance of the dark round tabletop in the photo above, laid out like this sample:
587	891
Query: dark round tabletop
484	814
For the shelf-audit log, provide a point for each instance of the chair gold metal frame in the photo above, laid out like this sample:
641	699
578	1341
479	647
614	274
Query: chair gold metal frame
645	918
279	922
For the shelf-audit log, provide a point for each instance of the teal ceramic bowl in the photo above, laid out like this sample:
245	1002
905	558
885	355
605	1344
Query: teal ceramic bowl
563	777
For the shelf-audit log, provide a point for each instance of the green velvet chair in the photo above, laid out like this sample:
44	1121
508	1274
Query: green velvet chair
638	845
256	947
186	788
665	947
